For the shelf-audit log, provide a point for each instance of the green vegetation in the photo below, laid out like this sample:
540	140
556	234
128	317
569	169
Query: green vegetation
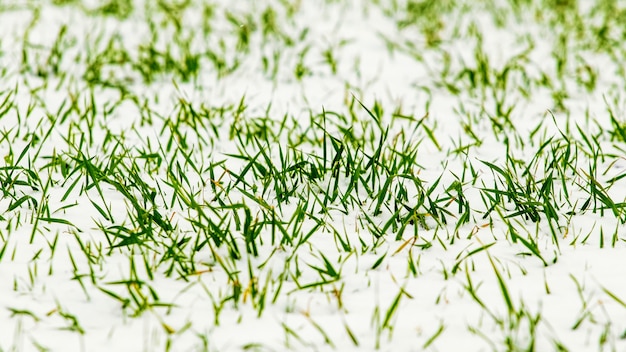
312	175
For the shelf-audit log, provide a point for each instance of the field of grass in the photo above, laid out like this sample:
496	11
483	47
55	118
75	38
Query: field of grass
312	175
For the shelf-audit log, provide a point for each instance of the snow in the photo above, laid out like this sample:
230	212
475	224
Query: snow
67	277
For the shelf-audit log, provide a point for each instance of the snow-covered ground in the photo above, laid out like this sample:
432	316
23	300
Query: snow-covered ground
273	175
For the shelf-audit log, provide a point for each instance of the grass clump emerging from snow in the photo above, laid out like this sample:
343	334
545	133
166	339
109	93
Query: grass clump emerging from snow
290	175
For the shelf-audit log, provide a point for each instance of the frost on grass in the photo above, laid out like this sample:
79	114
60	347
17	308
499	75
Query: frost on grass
312	175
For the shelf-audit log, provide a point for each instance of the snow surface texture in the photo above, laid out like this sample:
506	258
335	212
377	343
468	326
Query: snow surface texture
314	175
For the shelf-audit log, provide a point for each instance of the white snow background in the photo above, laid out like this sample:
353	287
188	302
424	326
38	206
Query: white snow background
97	132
